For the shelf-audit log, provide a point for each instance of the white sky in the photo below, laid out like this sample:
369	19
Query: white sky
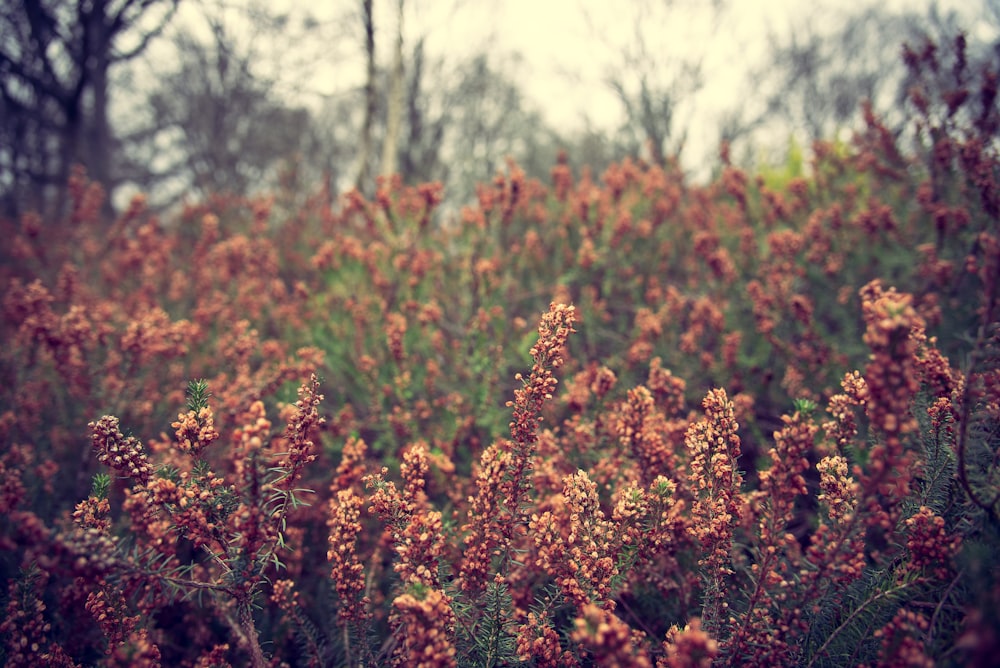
567	49
570	46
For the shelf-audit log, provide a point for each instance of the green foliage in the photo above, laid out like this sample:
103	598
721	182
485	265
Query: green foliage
197	395
100	486
844	634
489	639
777	177
804	406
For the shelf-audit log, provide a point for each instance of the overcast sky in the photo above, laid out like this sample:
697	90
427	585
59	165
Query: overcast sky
568	47
562	51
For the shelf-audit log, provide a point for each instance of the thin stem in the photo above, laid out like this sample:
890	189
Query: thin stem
941	605
194	584
250	631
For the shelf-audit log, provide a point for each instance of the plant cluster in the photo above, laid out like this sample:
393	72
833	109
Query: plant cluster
756	423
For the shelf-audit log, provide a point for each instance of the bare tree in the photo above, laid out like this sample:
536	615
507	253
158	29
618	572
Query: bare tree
394	109
460	123
652	78
650	107
215	125
419	155
55	61
362	180
820	78
815	80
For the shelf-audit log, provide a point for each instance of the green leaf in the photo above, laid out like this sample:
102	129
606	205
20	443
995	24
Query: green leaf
100	486
198	394
804	406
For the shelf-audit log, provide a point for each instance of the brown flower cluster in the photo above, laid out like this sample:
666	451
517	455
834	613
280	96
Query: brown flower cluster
839	491
715	480
931	546
892	378
843	428
214	658
195	430
416	532
784	480
347	571
248	441
902	641
429	624
394	333
891	374
537	641
299	432
287	599
192	503
25	629
137	651
574	545
759	638
121	454
835	556
12	489
690	647
351	468
107	604
642	430
553	332
485	539
608	640
593	382
93	513
241	528
502	480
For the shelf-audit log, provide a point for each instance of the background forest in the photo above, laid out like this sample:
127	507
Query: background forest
179	100
325	347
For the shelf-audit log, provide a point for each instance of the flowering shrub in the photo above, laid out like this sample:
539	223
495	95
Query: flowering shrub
622	421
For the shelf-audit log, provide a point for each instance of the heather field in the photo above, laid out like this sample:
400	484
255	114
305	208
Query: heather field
611	419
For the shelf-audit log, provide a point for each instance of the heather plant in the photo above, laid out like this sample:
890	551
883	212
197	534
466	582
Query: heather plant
193	531
755	425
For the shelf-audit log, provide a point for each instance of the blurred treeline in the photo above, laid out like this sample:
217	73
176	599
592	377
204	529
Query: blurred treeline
181	99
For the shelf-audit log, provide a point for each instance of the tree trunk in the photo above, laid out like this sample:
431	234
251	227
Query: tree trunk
362	181
98	140
393	124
